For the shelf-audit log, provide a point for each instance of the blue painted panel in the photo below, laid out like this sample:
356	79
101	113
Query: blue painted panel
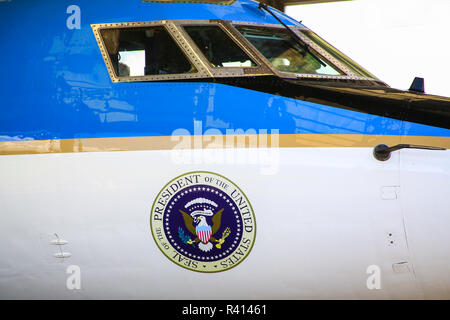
55	85
157	109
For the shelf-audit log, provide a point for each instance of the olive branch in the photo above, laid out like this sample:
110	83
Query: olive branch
184	237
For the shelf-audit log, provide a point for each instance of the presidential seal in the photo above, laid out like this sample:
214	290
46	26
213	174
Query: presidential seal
203	222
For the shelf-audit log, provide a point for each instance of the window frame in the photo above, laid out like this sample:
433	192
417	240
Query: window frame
190	56
348	73
204	68
259	69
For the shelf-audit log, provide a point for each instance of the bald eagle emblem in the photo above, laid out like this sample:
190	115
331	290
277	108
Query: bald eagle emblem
203	222
197	224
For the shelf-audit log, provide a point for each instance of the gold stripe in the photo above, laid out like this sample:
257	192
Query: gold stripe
212	142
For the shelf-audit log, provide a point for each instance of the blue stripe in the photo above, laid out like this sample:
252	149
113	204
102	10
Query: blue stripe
159	109
56	85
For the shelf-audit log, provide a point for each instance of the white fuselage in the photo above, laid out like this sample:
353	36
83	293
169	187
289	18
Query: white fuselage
325	218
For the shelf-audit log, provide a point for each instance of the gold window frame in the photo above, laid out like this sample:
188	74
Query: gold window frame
202	72
220	72
349	74
189	49
204	68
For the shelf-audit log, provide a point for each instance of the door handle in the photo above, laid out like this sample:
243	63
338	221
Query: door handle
382	152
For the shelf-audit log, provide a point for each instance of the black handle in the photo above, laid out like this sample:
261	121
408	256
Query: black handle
382	152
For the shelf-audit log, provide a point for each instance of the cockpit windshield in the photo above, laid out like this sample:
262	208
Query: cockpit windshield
285	53
349	63
200	49
217	47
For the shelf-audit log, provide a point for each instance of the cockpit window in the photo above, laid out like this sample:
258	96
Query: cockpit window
144	51
173	50
285	53
352	65
218	48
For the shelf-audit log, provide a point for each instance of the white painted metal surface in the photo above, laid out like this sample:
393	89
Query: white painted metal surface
323	217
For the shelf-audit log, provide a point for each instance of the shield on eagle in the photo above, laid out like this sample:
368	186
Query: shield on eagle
203	233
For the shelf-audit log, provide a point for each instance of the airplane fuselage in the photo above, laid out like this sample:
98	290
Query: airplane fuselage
102	172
